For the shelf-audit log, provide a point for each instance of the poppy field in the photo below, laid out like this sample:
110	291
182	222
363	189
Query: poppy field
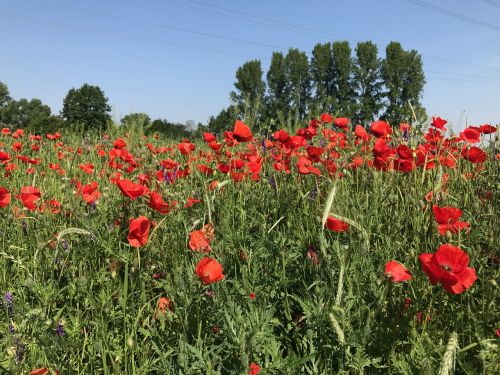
329	249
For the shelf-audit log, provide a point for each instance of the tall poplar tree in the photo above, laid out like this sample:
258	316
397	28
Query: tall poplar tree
343	78
277	100
403	75
298	80
250	88
322	76
368	83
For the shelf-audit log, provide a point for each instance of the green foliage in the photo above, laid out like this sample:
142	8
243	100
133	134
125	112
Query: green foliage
23	113
298	81
135	120
249	94
336	315
368	83
87	106
223	121
4	95
277	100
342	80
322	74
167	129
402	72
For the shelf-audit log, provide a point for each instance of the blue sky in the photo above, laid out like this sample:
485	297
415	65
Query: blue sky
138	54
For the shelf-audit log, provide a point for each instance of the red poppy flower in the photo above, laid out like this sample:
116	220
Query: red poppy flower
487	129
252	296
304	165
361	133
341	122
209	137
191	201
29	196
380	129
326	118
40	371
447	219
90	193
397	272
439	123
87	168
253	369
198	241
209	270
156	203
4	197
186	148
138	231
130	189
336	225
242	132
470	135
162	305
449	266
474	154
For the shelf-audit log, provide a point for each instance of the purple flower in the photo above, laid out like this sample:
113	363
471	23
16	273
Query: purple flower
272	182
60	329
8	302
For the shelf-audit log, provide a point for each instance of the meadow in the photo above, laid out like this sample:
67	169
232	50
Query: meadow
330	249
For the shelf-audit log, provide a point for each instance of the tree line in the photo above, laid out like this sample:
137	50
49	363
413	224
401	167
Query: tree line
359	85
85	108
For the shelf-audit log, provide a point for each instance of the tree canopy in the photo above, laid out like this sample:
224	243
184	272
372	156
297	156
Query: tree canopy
87	106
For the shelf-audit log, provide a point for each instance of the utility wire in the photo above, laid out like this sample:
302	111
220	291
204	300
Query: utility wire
453	14
111	33
160	25
301	29
128	19
493	3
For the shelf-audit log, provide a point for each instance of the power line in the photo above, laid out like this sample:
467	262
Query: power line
453	14
493	3
460	80
111	33
160	25
296	28
211	35
461	74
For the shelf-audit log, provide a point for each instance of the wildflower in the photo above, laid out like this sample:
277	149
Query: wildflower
139	231
449	266
242	132
8	302
162	305
336	225
396	272
60	329
4	197
252	296
29	196
253	369
199	242
209	270
447	219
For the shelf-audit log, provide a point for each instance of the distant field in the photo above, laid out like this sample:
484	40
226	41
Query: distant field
332	249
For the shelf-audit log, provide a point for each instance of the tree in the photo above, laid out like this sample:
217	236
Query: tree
277	101
86	105
168	129
403	75
4	95
298	80
250	88
368	82
23	113
135	119
322	76
343	78
223	121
